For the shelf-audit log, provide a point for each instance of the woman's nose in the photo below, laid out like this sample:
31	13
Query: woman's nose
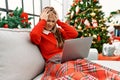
51	23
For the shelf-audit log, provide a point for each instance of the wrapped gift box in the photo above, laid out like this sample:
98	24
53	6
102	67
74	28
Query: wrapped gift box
108	49
117	48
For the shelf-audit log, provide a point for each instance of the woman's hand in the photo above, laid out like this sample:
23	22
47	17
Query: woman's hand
56	17
44	14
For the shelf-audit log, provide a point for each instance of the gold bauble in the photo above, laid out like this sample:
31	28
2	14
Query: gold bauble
94	36
89	34
76	20
95	9
92	14
79	27
85	34
93	42
102	28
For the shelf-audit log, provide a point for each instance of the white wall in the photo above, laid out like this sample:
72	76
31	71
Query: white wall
63	6
66	7
109	6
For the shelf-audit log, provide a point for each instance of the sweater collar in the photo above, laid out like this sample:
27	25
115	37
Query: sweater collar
46	32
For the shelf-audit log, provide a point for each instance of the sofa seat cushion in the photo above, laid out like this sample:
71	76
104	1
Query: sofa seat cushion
19	58
115	65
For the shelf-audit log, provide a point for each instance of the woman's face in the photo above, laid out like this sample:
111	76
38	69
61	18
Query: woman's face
51	22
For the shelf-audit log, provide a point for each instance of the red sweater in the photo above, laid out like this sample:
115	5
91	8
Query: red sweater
47	42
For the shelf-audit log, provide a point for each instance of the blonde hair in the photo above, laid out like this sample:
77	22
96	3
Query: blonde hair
55	30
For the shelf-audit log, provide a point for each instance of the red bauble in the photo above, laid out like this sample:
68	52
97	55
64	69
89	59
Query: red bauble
98	38
94	0
5	26
77	1
24	16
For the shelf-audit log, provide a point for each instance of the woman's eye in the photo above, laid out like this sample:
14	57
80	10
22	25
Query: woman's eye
50	21
53	21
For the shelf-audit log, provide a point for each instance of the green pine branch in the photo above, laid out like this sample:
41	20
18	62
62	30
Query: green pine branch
14	20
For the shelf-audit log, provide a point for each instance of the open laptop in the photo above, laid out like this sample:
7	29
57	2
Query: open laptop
76	48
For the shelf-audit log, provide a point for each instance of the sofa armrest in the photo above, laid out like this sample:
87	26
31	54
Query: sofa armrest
93	54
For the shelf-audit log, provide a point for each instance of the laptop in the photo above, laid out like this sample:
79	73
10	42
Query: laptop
76	48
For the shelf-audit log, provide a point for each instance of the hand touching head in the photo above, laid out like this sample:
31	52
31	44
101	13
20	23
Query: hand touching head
49	11
44	14
51	16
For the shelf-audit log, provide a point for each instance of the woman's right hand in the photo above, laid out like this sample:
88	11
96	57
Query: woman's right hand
44	14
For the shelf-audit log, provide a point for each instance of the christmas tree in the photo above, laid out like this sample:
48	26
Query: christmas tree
15	19
87	17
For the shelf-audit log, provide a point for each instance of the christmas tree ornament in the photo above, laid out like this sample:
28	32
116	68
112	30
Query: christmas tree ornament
24	17
95	36
98	38
103	28
72	14
85	34
79	27
76	20
77	9
5	26
18	26
94	23
89	20
89	34
73	4
93	42
87	23
94	0
76	1
92	14
95	9
81	2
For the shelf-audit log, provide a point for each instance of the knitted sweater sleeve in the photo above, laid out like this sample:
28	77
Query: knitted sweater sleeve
67	30
35	34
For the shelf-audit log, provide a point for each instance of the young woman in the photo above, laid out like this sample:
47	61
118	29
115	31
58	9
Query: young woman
49	35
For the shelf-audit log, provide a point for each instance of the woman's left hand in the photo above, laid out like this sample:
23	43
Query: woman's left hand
56	17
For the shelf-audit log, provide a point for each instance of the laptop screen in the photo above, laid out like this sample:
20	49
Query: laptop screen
76	48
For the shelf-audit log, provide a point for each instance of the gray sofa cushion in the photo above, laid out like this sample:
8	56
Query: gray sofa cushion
19	58
115	65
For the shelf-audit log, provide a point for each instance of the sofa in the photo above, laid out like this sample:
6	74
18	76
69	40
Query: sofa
21	60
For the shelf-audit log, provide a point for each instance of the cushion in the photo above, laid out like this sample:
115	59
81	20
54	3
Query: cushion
115	65
19	58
